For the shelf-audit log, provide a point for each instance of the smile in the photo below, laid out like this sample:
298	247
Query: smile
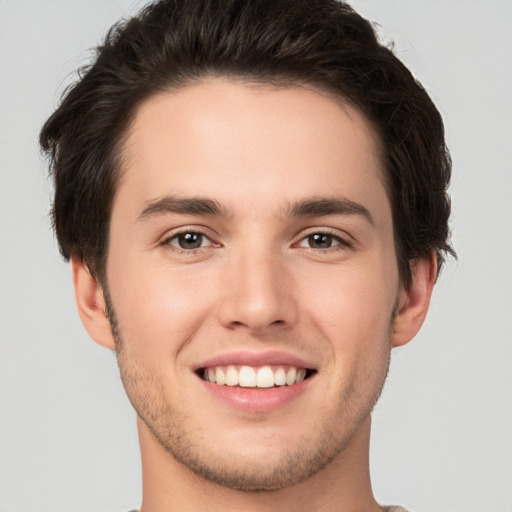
256	382
254	377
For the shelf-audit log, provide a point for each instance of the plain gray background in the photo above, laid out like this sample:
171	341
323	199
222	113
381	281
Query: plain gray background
442	435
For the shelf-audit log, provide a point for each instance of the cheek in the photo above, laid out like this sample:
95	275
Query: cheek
156	305
354	313
353	297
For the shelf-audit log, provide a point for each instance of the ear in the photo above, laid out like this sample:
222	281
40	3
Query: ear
413	303
91	305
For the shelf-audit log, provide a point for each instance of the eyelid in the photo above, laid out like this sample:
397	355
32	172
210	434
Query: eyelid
173	234
343	238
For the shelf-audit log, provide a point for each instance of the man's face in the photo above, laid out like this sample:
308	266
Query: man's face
251	241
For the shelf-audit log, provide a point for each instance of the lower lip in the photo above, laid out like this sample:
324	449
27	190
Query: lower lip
256	399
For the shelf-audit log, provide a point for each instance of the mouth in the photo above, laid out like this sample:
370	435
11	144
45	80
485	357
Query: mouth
255	383
262	377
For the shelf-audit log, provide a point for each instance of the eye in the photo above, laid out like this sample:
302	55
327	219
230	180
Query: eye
189	240
322	241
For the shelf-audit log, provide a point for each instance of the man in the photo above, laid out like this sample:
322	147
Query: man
253	198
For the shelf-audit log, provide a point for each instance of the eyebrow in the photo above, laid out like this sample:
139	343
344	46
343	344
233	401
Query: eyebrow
183	206
319	207
310	207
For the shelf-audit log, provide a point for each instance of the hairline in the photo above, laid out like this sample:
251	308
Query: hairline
120	155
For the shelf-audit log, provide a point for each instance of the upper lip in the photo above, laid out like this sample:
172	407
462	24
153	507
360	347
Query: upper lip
247	358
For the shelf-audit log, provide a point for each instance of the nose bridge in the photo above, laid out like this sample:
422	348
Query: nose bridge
258	292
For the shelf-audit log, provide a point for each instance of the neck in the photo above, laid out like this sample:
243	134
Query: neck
344	484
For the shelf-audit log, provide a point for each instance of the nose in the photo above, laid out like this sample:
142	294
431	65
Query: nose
257	293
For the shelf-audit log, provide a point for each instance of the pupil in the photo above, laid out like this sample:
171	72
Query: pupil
190	240
320	241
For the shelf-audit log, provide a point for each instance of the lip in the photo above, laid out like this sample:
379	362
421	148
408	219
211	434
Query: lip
255	400
270	358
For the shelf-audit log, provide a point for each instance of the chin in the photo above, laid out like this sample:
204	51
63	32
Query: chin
258	473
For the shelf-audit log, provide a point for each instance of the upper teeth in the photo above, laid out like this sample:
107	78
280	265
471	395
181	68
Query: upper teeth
250	377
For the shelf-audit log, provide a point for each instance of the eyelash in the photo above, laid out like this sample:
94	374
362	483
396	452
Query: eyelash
168	242
341	242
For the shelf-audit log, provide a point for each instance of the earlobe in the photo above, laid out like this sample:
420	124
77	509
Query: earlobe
414	302
91	304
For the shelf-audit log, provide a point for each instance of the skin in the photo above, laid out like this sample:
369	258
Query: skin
257	283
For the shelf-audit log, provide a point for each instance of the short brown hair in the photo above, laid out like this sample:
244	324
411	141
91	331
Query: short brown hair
323	43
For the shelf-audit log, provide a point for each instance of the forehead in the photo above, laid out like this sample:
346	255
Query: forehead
262	143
